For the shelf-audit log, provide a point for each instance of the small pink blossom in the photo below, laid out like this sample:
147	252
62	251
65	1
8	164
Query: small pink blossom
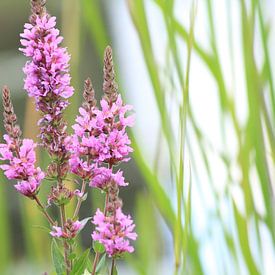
103	177
80	167
6	149
70	231
57	232
78	193
31	186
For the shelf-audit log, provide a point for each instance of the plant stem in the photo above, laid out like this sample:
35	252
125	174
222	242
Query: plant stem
83	187
95	262
66	246
97	254
113	266
43	210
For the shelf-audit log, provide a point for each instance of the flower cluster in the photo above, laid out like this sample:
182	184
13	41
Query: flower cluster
47	72
70	230
114	232
103	177
100	138
110	146
21	165
48	81
19	154
99	142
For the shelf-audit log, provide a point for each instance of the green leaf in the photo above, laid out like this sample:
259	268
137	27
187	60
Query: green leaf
242	230
98	247
57	258
86	272
72	256
101	264
81	263
41	227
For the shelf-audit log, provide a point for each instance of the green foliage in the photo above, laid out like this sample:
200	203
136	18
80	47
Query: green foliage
57	258
101	265
81	263
98	247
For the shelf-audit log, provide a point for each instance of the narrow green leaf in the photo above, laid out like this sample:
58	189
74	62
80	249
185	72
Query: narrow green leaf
81	263
101	264
57	258
244	242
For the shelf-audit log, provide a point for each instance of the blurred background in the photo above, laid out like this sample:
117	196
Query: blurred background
200	77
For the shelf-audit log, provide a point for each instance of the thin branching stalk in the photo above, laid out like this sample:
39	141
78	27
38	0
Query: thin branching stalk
65	243
80	200
113	266
43	209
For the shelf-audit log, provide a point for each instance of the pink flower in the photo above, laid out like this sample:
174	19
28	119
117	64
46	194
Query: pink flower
31	186
57	232
104	176
21	166
78	193
86	123
114	146
47	72
80	167
100	136
48	80
70	231
114	232
6	150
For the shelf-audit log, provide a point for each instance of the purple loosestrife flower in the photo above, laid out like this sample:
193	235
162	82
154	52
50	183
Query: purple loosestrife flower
30	187
48	81
83	143
114	232
20	154
113	142
103	177
47	72
22	166
72	229
113	228
100	135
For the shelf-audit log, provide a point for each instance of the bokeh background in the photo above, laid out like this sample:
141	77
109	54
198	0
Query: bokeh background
200	77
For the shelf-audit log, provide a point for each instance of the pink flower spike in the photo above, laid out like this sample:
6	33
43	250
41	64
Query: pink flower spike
114	232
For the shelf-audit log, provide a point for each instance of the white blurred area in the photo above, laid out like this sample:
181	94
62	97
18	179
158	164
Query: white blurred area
205	104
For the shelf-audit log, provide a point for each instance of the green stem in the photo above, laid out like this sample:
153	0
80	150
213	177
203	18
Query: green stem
50	220
95	262
65	244
83	187
113	266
